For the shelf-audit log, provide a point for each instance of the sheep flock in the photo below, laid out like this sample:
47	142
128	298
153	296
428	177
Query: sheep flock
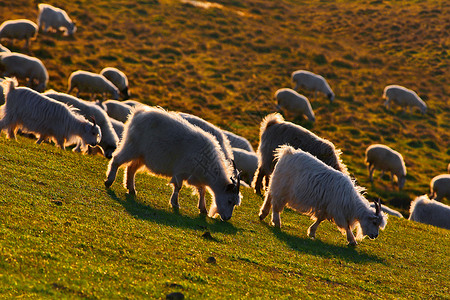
292	164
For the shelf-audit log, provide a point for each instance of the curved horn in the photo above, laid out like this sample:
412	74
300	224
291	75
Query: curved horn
377	206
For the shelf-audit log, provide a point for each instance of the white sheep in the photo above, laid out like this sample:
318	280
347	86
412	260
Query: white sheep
119	79
302	182
170	146
117	110
132	103
212	129
4	49
274	132
311	81
88	82
294	103
430	212
109	140
45	117
246	162
388	210
55	18
237	141
384	158
118	127
20	29
25	67
440	187
403	97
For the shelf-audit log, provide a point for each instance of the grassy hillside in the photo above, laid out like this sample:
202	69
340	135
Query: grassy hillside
63	234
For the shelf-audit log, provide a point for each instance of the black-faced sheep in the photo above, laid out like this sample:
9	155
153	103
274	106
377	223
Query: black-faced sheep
311	81
403	97
274	132
119	79
88	82
440	187
55	18
109	140
25	67
304	183
294	103
430	212
45	117
20	29
170	146
237	141
384	158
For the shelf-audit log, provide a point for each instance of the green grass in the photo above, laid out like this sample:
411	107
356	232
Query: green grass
62	234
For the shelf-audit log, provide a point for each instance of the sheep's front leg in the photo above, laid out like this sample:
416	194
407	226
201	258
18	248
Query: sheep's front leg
265	208
129	179
312	229
119	159
176	189
350	237
371	169
258	182
201	200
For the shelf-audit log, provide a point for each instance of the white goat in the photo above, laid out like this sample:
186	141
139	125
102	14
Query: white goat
55	18
109	140
294	103
119	79
384	158
440	187
20	29
117	110
403	97
170	146
237	141
246	162
25	67
307	185
88	82
430	212
311	81
274	132
118	127
43	116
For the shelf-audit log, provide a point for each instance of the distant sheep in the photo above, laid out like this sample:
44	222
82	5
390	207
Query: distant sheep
302	182
215	131
383	158
311	81
55	18
118	127
170	146
274	132
88	82
440	187
4	49
117	110
294	103
403	97
246	162
388	210
45	117
430	212
25	67
119	79
237	141
20	29
109	140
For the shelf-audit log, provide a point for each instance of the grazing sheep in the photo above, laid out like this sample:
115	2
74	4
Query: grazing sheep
237	141
246	162
55	18
307	185
311	81
294	103
20	29
88	82
25	67
383	158
117	110
403	97
440	187
388	210
274	132
119	79
43	116
215	131
118	127
109	139
430	212
170	146
4	49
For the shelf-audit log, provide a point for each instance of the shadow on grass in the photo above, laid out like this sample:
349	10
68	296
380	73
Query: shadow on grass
319	248
145	212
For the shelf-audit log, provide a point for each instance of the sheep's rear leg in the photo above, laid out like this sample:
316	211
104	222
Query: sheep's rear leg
312	229
258	182
350	237
129	179
176	189
265	208
201	200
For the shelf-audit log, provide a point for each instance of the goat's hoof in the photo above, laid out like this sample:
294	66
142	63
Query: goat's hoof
108	184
